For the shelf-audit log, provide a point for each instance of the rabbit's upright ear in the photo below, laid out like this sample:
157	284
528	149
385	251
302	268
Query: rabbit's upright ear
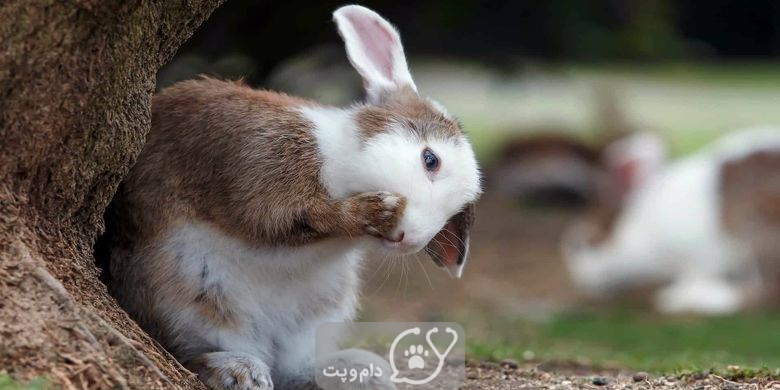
374	49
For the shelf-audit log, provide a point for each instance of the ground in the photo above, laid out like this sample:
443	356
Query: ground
508	375
515	301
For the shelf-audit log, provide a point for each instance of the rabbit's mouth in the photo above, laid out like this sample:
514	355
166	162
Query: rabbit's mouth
394	240
400	245
389	239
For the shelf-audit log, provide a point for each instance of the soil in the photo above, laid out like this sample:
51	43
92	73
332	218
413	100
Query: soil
514	269
494	376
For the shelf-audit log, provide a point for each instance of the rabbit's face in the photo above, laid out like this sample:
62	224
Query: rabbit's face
433	168
411	147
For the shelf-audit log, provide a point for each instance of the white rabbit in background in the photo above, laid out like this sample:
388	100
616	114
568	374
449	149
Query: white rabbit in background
705	226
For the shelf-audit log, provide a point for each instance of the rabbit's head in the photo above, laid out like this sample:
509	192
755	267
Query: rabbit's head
407	144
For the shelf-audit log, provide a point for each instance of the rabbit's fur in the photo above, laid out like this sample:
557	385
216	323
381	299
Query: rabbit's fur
243	224
699	225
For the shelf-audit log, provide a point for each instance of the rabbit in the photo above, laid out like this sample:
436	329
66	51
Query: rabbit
245	221
703	227
552	170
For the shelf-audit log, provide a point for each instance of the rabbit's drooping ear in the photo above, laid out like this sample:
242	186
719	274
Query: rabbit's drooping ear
635	158
450	247
374	49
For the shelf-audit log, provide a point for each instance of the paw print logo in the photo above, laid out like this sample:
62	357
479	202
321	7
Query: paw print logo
415	351
416	361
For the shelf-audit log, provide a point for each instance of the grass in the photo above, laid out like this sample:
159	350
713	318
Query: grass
756	75
745	345
8	383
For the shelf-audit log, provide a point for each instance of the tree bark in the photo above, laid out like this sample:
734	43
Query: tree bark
76	79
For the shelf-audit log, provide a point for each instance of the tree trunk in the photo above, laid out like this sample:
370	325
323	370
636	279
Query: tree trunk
76	79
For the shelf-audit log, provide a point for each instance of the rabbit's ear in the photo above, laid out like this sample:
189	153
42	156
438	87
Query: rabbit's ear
635	158
374	49
449	249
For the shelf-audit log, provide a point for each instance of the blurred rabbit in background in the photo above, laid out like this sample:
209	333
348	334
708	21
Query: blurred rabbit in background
704	226
551	167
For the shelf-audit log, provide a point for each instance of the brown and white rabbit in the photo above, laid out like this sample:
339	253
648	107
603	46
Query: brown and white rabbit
243	224
706	226
547	169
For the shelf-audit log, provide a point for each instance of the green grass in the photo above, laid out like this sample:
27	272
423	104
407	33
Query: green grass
644	342
7	383
759	75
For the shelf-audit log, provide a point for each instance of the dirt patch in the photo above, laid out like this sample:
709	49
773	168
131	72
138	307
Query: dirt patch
510	375
515	269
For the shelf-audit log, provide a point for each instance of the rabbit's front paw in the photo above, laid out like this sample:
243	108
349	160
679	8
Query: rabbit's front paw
232	371
380	213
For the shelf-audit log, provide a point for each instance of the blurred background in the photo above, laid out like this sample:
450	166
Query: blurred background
553	77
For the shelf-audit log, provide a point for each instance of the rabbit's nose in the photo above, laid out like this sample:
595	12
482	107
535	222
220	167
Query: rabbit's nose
398	238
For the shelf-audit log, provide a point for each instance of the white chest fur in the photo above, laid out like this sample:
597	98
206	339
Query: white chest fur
275	293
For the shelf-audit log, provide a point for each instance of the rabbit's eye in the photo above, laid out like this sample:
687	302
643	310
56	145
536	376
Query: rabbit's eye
430	160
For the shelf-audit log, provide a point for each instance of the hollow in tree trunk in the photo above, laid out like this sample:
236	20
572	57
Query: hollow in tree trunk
76	78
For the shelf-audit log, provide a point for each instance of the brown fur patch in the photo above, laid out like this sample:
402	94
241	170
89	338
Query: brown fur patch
750	191
604	199
750	187
215	308
406	109
605	208
550	145
550	169
241	160
378	217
